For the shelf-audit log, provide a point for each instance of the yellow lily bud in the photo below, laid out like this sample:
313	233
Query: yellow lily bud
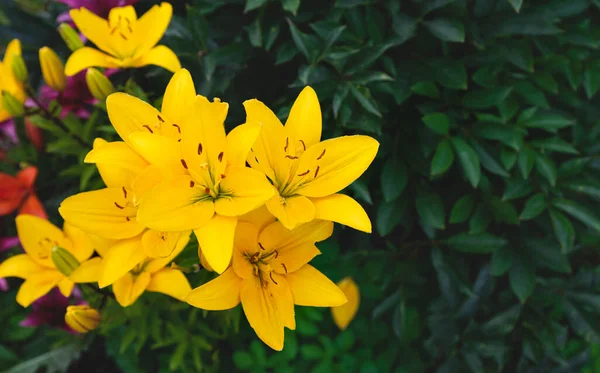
12	105
98	84
343	315
70	36
82	318
19	68
52	69
63	260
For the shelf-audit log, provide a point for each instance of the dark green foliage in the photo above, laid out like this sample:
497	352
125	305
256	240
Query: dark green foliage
483	197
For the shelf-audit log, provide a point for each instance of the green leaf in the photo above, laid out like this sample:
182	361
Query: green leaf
253	4
508	158
554	144
450	74
522	279
299	39
363	96
389	215
476	243
546	168
578	212
404	26
548	121
428	89
563	229
442	159
526	161
486	98
437	122
430	208
584	187
480	220
533	207
368	56
504	322
462	209
547	254
501	262
516	4
469	160
57	360
583	323
488	162
311	351
591	81
546	81
394	178
504	211
243	360
516	188
255	33
531	94
291	6
445	29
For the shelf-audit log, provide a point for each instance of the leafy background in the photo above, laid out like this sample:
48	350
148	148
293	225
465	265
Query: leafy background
484	195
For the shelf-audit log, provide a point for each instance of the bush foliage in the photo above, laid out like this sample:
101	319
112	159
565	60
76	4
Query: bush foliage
483	197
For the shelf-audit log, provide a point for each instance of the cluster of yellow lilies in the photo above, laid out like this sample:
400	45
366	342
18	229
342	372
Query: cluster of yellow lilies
257	199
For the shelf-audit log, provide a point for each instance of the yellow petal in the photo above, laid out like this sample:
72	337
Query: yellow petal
155	265
180	94
342	209
291	211
304	121
262	312
86	57
129	114
240	141
128	288
272	145
170	282
12	49
37	285
260	217
82	246
151	27
343	315
243	190
19	266
245	244
284	300
88	271
94	28
204	142
312	288
159	244
215	238
148	179
204	262
38	236
117	163
336	164
160	56
222	293
175	205
106	212
101	244
65	286
120	259
161	151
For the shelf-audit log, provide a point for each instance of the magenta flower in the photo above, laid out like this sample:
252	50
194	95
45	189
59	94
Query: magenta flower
100	7
50	310
5	244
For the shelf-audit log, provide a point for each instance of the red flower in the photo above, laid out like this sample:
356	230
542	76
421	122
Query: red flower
17	193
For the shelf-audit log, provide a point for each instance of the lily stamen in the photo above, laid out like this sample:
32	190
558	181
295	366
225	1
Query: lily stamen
148	128
272	279
119	206
322	154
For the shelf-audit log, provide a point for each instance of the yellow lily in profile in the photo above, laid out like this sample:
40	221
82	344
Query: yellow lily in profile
309	173
269	275
344	314
8	81
126	40
50	256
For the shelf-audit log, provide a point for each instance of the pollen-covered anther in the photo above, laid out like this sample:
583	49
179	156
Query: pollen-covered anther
220	157
123	36
192	183
303	144
322	154
291	157
222	176
261	246
207	190
127	218
304	173
284	267
124	192
272	279
160	118
287	143
199	148
184	164
276	253
317	171
178	128
148	128
119	206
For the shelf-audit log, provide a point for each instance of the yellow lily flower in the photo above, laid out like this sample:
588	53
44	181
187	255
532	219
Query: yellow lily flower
8	81
37	266
126	40
269	275
344	314
309	173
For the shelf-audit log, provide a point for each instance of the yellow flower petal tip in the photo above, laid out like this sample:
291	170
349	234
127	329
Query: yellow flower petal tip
10	85
82	318
344	314
124	40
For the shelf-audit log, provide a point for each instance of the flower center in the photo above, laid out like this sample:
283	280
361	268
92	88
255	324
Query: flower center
261	265
127	203
122	27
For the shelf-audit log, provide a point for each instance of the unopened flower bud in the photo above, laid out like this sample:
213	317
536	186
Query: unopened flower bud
82	318
53	69
63	260
98	84
70	36
14	107
19	68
